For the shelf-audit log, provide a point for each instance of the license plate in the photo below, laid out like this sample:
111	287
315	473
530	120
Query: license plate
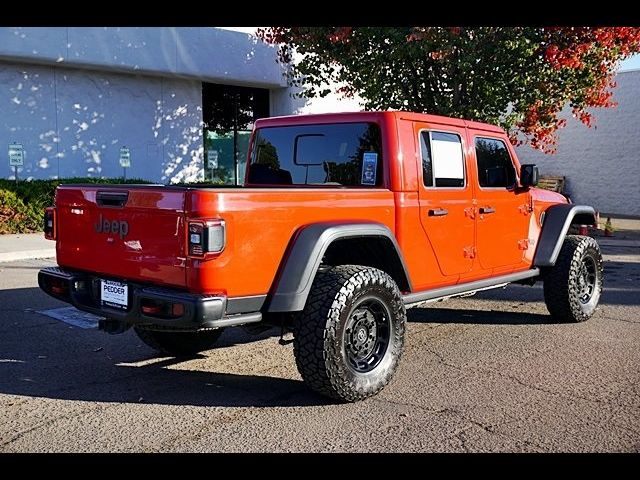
114	294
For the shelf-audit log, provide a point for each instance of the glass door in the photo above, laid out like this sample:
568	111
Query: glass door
228	114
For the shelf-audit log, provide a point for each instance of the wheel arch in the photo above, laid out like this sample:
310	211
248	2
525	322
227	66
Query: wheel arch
558	219
368	244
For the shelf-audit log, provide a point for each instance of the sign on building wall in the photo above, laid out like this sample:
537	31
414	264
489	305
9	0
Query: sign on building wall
16	155
125	157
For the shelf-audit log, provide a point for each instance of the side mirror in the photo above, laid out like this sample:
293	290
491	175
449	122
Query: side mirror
529	175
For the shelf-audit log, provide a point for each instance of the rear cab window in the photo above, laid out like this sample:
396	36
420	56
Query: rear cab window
338	154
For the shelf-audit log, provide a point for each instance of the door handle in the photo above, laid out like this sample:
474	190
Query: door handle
487	210
438	212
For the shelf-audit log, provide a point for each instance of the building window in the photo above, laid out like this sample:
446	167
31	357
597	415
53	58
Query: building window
229	113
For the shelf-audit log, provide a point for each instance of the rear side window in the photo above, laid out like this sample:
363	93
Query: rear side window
442	159
495	168
341	154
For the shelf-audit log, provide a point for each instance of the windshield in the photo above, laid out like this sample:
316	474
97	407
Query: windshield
341	154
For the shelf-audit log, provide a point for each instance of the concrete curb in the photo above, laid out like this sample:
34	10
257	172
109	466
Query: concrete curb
27	255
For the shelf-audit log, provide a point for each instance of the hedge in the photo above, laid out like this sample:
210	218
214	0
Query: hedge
15	216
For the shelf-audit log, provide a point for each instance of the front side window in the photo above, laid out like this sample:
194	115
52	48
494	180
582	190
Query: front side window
442	159
495	168
341	154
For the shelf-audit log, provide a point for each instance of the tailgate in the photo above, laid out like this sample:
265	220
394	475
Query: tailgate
130	232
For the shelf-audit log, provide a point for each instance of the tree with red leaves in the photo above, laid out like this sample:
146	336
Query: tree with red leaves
517	77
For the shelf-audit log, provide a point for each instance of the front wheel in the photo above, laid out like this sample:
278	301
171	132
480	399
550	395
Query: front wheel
349	338
573	286
179	344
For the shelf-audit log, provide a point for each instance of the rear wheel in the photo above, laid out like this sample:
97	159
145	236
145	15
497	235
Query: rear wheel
179	344
573	286
349	338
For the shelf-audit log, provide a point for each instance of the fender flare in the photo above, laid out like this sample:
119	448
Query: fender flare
305	255
557	220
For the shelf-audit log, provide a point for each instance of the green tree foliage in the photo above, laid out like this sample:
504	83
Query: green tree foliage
517	77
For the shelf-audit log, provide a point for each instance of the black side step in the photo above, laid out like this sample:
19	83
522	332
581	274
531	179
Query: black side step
462	288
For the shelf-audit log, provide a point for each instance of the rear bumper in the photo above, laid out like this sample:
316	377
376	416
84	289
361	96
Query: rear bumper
82	290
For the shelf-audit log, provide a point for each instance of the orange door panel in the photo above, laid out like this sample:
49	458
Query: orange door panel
502	210
446	198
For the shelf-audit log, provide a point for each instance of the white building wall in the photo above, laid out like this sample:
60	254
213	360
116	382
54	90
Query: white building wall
205	53
601	163
72	122
27	103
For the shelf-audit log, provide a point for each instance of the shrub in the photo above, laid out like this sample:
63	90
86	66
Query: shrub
16	217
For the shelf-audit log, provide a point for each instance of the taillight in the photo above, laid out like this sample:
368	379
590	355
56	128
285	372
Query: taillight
161	309
57	286
206	236
151	310
50	223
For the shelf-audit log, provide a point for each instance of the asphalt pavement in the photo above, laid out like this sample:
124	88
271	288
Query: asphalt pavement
486	373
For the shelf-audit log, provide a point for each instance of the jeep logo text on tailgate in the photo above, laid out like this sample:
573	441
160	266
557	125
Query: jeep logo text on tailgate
117	227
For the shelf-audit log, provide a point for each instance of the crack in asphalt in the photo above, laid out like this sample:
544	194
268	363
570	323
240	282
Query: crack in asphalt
472	423
238	415
489	428
234	417
205	428
51	421
486	371
100	407
619	319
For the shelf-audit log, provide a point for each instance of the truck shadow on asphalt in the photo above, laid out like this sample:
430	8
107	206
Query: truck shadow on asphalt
90	366
486	317
49	359
132	374
46	358
42	357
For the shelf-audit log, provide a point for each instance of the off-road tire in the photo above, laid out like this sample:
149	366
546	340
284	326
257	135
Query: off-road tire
179	344
564	284
337	297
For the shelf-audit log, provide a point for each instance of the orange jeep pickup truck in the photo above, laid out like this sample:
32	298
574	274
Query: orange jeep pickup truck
343	222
